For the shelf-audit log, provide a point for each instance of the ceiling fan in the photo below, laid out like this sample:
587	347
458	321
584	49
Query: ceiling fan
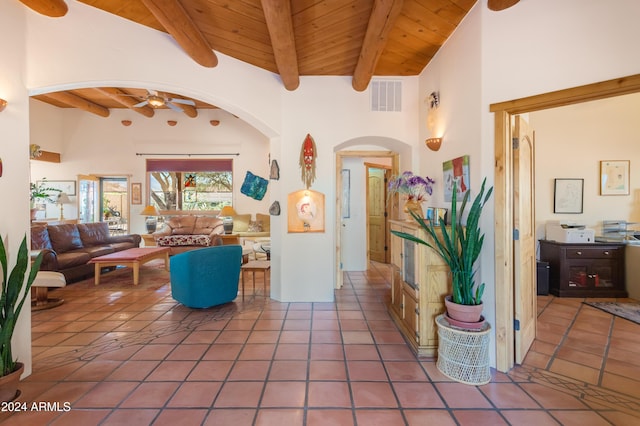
157	100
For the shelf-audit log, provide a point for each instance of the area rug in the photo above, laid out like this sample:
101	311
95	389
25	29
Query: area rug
626	310
152	277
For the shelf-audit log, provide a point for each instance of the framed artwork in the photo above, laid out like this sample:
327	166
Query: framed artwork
614	177
136	193
305	211
456	170
66	186
567	195
346	193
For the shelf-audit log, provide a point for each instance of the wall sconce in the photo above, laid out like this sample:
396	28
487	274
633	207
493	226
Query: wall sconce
126	123
433	143
214	122
172	123
3	104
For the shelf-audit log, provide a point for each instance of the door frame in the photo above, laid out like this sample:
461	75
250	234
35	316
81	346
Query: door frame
395	164
503	187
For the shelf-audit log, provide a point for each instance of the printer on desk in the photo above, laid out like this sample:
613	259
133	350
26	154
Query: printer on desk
569	233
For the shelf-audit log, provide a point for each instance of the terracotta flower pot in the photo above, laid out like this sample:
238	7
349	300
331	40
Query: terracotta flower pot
9	384
463	313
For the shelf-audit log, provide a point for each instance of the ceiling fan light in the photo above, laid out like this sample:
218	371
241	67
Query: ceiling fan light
155	101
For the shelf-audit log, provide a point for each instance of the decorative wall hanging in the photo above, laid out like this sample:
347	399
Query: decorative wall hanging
567	195
308	155
274	210
254	186
305	211
456	170
614	177
136	193
275	171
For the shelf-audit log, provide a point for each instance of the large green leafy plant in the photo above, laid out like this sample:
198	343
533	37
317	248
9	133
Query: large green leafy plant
458	245
14	294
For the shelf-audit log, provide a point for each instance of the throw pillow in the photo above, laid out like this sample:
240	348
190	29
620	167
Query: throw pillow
255	226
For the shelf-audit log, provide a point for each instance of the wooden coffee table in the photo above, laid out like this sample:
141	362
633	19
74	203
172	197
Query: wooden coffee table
133	257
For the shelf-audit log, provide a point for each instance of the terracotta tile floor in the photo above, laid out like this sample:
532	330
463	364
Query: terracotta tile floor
136	357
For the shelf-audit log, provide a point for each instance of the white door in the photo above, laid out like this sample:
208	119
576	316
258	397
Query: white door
524	239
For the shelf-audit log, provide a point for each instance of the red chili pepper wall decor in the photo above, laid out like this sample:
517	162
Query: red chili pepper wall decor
308	155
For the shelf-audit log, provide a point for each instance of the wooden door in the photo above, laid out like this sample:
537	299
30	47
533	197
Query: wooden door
524	239
376	214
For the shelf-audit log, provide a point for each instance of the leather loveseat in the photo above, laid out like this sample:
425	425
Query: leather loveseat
187	232
67	248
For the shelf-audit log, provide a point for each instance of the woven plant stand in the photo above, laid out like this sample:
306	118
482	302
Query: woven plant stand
463	355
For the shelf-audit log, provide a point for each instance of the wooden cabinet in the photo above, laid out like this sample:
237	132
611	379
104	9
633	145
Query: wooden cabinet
419	282
585	270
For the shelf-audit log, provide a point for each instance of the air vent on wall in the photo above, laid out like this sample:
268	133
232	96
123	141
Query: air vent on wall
386	95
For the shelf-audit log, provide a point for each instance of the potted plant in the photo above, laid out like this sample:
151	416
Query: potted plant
459	246
14	294
40	193
415	188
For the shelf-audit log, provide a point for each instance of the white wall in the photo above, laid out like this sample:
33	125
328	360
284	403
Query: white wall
571	141
14	141
354	228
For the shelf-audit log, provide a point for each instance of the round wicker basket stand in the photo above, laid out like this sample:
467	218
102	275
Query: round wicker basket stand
463	355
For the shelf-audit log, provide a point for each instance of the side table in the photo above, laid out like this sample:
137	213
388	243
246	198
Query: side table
148	239
228	239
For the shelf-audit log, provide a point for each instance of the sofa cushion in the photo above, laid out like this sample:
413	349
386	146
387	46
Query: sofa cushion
255	226
182	225
184	240
40	238
266	221
72	258
96	233
206	225
241	222
65	237
99	250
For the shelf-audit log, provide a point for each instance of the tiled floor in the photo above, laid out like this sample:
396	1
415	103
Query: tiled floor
135	357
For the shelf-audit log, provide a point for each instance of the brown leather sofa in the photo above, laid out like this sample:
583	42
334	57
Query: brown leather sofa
187	232
67	248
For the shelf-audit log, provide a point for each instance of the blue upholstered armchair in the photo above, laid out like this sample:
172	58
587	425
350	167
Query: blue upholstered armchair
206	277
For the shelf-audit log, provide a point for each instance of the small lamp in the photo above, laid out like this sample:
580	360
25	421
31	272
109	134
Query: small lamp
3	104
151	212
226	214
63	199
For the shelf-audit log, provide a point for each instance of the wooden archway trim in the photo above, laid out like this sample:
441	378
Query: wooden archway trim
503	174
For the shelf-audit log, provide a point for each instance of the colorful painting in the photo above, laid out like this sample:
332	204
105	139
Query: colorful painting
456	170
254	186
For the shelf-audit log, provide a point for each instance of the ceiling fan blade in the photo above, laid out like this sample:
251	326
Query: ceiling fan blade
173	107
141	104
182	101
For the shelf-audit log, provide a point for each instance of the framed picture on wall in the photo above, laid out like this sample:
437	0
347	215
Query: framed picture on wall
614	177
136	193
567	195
66	186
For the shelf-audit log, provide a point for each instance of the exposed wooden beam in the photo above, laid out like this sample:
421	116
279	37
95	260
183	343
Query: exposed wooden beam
381	21
126	99
79	102
498	5
280	25
51	8
174	18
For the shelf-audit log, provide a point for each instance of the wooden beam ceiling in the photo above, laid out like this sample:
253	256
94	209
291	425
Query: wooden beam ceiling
79	102
127	100
174	18
278	16
382	20
51	8
498	5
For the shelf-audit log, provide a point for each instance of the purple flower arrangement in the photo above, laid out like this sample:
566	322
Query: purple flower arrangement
415	187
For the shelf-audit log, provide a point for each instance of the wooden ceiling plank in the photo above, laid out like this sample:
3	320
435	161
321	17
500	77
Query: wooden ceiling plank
498	5
127	100
51	8
78	102
278	16
177	22
383	16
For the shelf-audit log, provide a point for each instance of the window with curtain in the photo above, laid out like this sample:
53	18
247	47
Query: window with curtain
190	184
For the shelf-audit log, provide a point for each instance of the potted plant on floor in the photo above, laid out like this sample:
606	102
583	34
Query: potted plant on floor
459	246
14	293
